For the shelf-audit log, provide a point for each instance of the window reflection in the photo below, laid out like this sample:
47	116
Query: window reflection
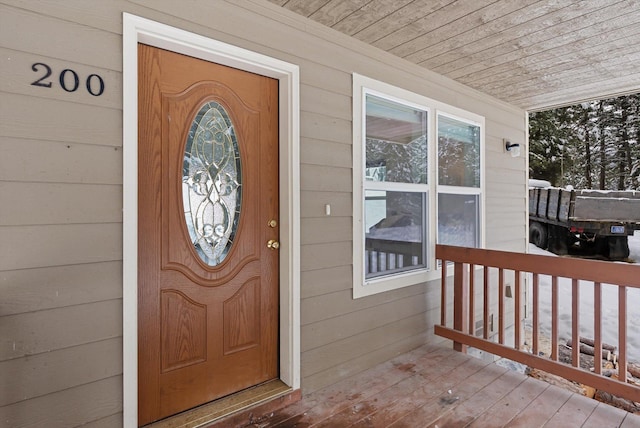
458	220
394	240
458	153
396	142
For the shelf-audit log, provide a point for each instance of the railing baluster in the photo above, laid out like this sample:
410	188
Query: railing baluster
472	300
536	300
622	333
575	322
460	304
517	317
554	318
501	292
485	279
443	295
597	327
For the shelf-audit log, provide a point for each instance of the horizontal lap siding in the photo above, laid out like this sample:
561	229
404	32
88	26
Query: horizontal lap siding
61	187
60	224
32	333
59	162
19	61
25	247
325	281
46	119
341	325
394	346
312	203
323	358
71	407
325	153
324	230
60	203
63	368
36	289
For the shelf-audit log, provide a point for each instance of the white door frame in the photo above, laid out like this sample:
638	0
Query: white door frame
140	30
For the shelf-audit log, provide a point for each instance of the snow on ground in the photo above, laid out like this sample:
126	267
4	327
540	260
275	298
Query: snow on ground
609	306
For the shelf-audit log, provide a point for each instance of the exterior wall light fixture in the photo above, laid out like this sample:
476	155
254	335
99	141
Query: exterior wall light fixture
512	148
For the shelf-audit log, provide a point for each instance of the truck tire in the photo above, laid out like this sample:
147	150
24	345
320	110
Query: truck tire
538	235
618	247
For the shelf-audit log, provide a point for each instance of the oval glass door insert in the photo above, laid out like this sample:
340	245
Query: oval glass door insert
212	183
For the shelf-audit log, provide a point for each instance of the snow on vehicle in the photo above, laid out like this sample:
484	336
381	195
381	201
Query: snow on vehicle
594	221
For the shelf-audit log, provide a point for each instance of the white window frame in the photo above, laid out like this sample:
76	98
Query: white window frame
363	86
464	190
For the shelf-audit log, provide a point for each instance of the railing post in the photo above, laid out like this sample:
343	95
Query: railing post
501	310
460	303
518	315
443	295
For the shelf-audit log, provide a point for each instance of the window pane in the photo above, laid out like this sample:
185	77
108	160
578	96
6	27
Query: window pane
458	153
458	220
396	142
394	234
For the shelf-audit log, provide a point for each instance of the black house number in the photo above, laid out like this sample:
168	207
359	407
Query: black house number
68	79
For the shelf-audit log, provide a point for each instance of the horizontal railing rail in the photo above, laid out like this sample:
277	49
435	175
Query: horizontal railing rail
467	261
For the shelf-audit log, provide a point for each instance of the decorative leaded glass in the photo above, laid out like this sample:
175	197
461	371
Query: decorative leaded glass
211	183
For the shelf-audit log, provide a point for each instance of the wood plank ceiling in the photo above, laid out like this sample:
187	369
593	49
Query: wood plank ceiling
534	54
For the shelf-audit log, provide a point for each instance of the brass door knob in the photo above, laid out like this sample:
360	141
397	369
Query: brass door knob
273	244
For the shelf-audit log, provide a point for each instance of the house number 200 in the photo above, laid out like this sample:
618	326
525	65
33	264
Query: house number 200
69	80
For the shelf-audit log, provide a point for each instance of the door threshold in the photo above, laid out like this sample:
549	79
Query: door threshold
269	396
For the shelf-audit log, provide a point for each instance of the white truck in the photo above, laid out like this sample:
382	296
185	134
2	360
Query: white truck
592	222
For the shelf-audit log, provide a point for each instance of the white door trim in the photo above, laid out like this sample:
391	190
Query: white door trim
140	30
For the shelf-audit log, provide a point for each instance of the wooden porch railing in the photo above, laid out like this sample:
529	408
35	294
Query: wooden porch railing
466	260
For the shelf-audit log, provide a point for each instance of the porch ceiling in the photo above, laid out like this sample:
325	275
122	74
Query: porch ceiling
531	53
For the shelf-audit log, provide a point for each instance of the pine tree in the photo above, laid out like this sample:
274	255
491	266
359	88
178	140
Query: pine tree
592	144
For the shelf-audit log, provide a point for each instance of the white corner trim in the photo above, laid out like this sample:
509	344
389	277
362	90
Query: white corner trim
140	30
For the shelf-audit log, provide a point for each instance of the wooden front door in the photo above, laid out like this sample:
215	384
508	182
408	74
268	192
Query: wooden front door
207	232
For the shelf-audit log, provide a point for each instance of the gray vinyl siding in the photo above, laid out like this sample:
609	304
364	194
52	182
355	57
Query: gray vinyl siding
61	200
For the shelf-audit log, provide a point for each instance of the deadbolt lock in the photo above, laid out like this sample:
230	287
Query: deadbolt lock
272	223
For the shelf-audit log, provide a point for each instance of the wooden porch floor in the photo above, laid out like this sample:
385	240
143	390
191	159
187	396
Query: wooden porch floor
434	386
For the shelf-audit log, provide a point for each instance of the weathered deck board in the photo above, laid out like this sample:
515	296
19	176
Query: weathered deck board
574	411
444	393
368	412
482	399
605	415
540	410
333	399
434	386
